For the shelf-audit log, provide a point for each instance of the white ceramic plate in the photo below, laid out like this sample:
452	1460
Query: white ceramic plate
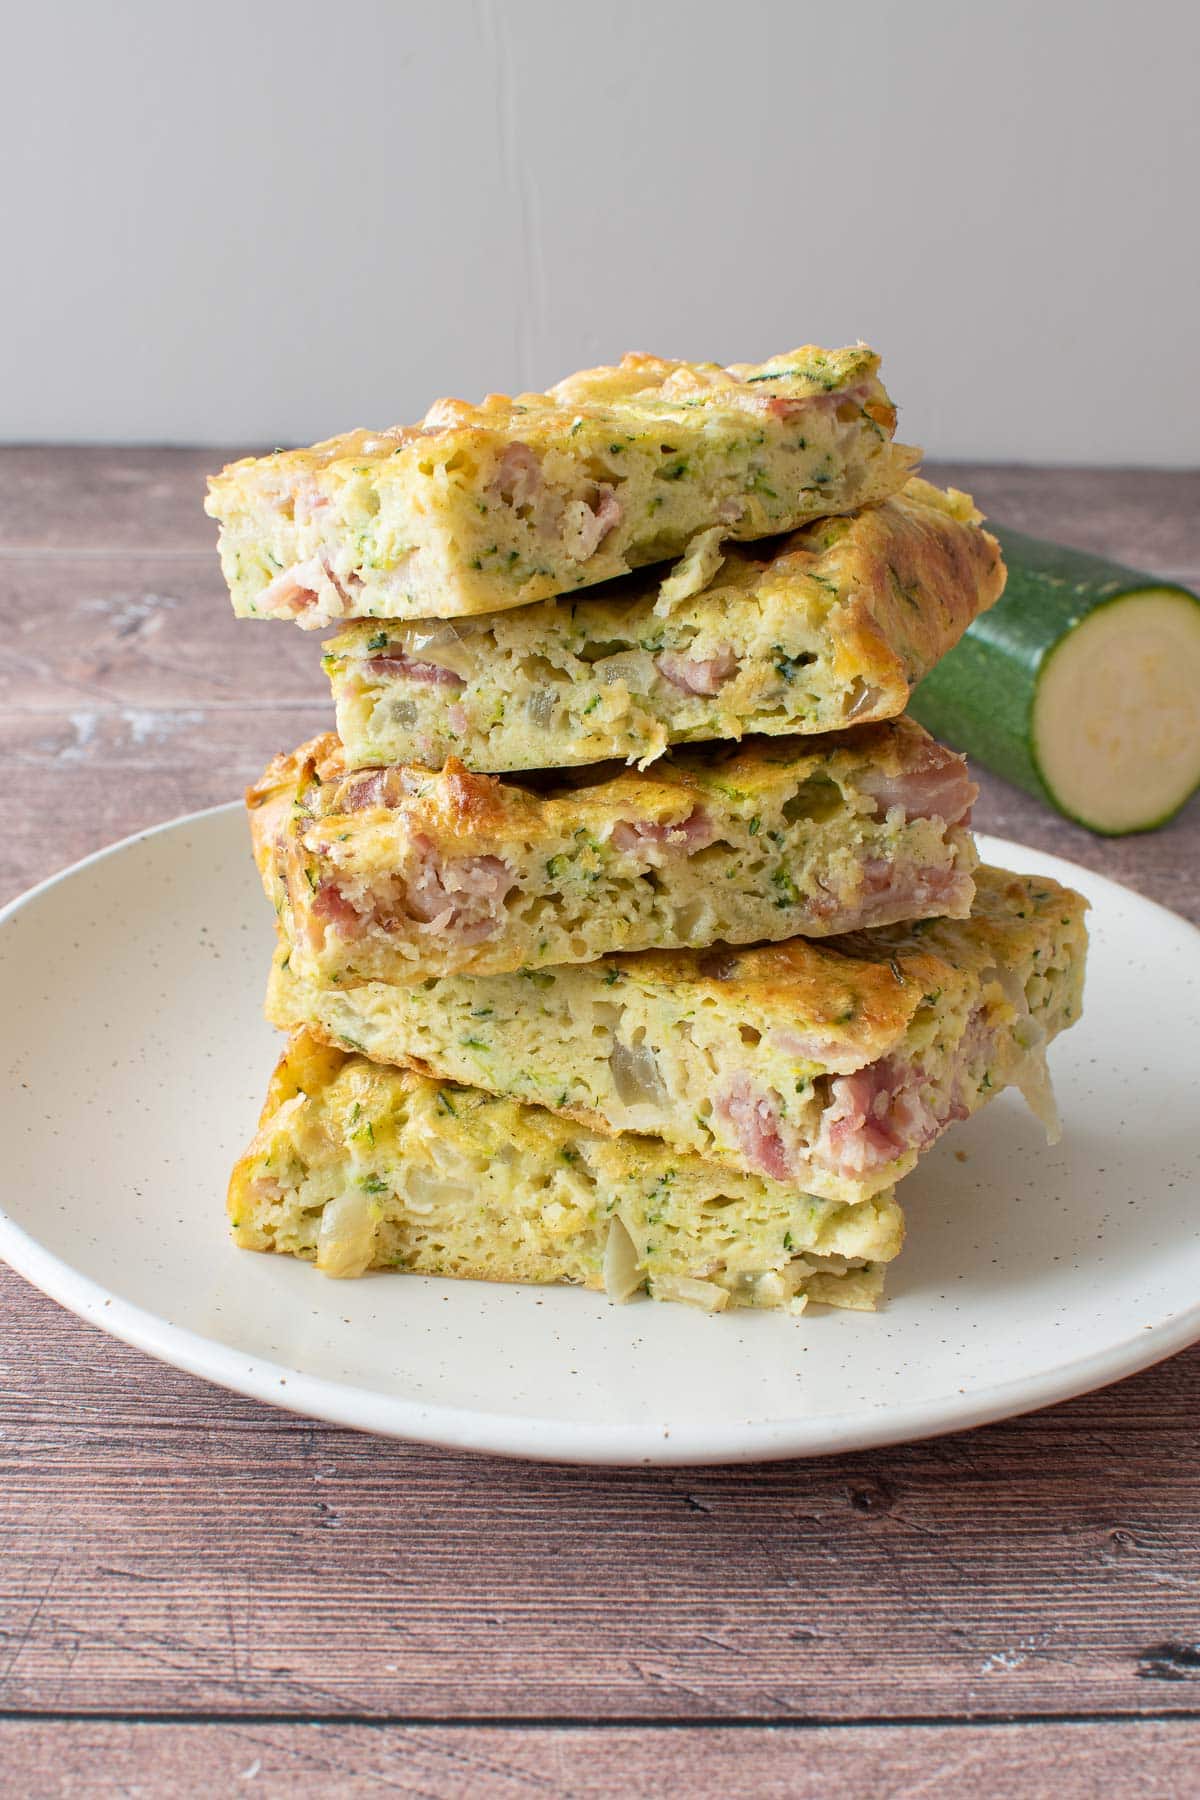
137	1058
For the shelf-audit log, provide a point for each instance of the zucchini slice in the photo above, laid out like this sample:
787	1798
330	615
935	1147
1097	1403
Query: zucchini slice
1081	685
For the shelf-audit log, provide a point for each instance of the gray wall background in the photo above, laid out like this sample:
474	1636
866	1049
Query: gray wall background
268	220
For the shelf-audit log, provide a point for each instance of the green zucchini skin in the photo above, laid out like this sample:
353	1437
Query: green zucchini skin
980	697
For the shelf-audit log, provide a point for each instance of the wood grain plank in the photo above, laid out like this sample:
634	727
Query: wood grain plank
105	1759
1148	518
146	631
92	776
73	497
169	1548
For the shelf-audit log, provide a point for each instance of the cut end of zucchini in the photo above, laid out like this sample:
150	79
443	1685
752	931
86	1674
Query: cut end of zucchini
1116	717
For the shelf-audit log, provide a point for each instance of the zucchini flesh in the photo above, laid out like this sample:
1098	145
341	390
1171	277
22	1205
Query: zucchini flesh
1081	685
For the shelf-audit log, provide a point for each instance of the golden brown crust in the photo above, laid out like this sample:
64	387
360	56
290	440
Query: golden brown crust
450	425
310	791
861	991
918	580
455	804
865	1005
912	573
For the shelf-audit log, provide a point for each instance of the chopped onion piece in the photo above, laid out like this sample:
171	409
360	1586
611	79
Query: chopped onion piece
1032	1080
424	1192
630	666
346	1237
622	1276
862	698
636	1076
705	1294
541	707
1031	1077
695	569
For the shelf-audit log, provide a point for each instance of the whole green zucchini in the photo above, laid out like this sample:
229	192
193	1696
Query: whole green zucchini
1082	685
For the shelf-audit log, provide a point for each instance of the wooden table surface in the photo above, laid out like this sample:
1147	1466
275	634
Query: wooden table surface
199	1595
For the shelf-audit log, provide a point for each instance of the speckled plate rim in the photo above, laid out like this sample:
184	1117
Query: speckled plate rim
531	1437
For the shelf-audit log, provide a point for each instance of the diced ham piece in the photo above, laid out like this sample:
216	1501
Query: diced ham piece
407	668
308	499
823	901
754	1120
374	788
890	891
698	674
807	1047
331	907
646	840
458	720
518	477
845	404
783	406
878	875
463	894
309	592
292	592
937	884
597	521
936	787
876	1115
